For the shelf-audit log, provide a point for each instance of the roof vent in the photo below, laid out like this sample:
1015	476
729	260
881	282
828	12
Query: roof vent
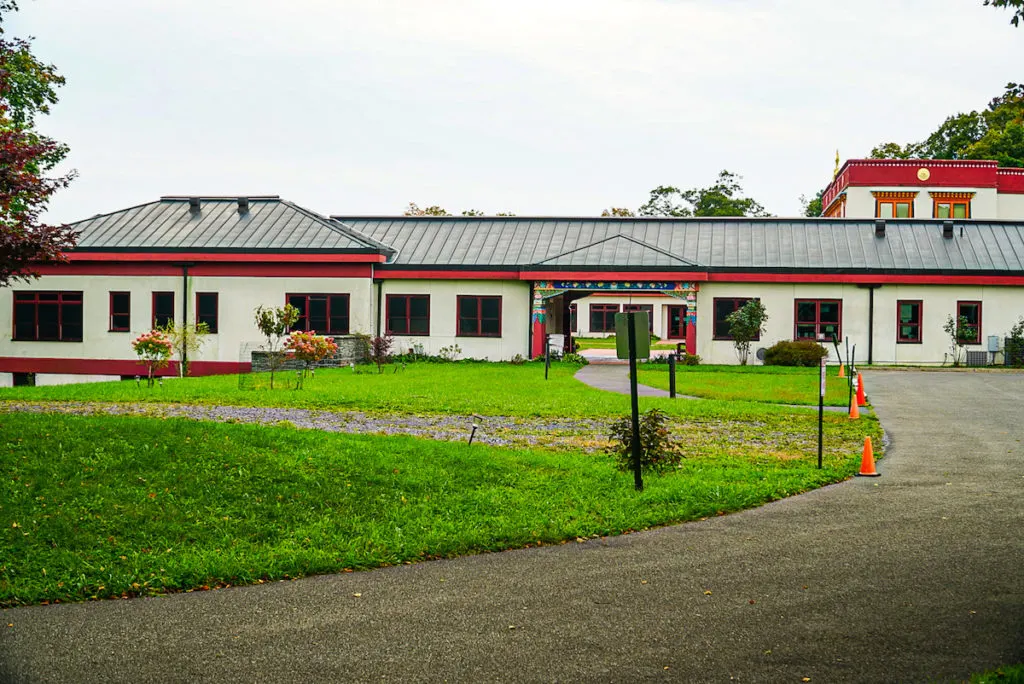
193	205
947	229
880	228
243	205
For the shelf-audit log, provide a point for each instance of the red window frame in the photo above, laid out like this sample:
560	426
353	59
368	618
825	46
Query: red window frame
599	312
406	318
336	323
818	323
478	320
720	323
649	308
914	323
160	318
120	312
69	316
960	306
210	319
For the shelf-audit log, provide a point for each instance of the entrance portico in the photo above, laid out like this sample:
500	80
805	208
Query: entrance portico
682	320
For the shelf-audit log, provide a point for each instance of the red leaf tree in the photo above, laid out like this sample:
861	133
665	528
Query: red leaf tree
27	88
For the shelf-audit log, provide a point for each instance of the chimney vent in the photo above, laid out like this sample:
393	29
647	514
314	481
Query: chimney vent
193	205
880	228
243	205
947	229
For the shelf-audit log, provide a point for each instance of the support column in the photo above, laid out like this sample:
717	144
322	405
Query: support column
538	319
691	322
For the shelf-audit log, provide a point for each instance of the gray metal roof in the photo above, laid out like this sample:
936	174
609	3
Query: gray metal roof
705	244
218	224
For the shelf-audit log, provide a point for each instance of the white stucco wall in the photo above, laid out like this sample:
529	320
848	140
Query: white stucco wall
238	299
986	204
1011	207
515	316
1001	307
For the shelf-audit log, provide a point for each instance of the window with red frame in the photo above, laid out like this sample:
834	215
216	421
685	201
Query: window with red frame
478	316
818	319
649	308
602	317
908	321
120	311
326	314
48	316
207	310
408	314
972	312
722	307
163	309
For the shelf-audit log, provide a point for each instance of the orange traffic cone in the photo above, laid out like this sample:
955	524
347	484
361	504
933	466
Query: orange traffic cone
861	399
854	411
842	370
867	461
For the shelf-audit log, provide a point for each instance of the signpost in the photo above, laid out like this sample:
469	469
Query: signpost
630	343
821	408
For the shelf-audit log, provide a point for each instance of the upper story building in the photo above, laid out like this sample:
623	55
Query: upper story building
925	189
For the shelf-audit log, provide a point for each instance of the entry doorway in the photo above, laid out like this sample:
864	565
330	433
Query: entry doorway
676	322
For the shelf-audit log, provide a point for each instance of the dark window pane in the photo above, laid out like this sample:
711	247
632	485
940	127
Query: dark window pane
830	312
419	306
398	306
49	322
24	321
419	326
490	307
490	326
317	314
805	331
806	312
468	307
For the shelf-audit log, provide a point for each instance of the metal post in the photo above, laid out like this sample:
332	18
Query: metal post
821	409
634	402
672	376
547	356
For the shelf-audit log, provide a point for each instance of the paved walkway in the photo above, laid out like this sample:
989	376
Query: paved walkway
912	577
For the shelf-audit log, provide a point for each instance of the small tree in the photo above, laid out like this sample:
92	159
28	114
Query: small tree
380	350
746	324
187	340
960	332
154	350
310	348
275	324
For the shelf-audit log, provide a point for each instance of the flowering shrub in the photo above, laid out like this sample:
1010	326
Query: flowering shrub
310	348
154	349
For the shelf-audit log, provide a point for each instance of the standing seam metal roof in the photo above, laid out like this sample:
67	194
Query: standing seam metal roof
709	244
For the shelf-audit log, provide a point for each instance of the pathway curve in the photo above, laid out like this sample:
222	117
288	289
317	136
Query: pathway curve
913	577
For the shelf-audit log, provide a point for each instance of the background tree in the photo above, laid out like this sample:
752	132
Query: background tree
275	324
1016	5
618	211
27	88
433	210
997	133
746	324
723	198
812	207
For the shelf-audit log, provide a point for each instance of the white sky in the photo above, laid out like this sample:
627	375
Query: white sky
540	107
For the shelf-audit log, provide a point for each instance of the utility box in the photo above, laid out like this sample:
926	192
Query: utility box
993	343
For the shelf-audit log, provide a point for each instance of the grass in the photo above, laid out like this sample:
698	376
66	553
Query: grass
95	507
609	343
770	384
1008	674
458	388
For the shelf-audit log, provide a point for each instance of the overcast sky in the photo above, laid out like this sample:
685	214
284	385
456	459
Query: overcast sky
539	107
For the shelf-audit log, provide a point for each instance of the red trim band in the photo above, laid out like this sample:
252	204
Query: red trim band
229	257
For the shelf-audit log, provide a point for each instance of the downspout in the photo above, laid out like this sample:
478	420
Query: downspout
871	320
380	296
184	318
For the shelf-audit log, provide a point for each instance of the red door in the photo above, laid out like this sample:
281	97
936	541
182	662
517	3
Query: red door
676	322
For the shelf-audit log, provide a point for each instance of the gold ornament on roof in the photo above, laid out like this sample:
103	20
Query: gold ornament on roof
923	174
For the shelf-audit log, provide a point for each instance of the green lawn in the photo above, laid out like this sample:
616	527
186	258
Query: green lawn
118	506
770	384
457	388
609	343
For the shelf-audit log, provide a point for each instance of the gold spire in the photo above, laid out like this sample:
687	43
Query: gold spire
836	171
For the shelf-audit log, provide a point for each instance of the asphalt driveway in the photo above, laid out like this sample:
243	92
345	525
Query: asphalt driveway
914	576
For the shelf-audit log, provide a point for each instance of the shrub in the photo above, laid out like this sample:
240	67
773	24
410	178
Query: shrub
309	348
154	350
575	358
380	350
659	451
1015	344
794	353
689	359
